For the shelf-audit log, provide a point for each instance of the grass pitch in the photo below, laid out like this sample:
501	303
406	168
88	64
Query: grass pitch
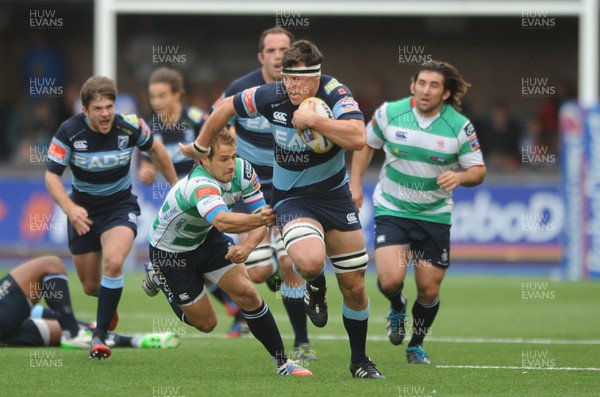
494	335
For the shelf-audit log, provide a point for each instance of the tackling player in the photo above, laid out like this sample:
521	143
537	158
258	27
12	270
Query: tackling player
188	245
314	206
172	122
430	150
98	144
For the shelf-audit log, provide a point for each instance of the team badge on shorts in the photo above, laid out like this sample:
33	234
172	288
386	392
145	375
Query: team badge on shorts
132	218
443	258
351	218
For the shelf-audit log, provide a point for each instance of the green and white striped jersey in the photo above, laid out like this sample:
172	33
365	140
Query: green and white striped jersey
417	151
185	216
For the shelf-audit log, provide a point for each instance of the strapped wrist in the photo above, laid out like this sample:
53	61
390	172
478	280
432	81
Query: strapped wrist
201	149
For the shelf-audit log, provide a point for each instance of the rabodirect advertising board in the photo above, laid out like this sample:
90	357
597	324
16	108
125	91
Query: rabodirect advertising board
496	222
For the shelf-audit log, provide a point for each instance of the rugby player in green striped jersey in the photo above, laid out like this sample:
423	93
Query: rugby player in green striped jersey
430	150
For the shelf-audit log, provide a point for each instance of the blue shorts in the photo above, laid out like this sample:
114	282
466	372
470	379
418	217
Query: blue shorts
333	209
427	240
15	308
182	273
124	213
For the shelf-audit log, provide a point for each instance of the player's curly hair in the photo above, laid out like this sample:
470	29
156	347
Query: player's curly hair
453	81
301	51
168	76
98	87
273	30
224	137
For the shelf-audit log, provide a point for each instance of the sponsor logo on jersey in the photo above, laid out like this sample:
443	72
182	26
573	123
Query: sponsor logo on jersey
333	83
351	218
122	142
249	99
401	135
207	191
90	162
280	117
248	171
469	129
437	159
80	145
348	104
474	142
132	120
342	91
57	151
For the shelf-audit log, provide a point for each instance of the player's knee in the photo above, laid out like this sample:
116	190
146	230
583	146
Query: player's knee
355	289
112	266
204	324
389	285
259	274
428	294
53	264
260	263
90	288
248	298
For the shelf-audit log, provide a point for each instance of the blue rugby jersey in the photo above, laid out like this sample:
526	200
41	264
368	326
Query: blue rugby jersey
255	141
298	171
170	132
100	163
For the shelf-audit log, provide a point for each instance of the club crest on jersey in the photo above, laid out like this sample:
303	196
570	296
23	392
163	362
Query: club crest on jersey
122	142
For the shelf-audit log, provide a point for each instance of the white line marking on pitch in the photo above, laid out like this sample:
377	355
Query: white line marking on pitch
433	339
521	368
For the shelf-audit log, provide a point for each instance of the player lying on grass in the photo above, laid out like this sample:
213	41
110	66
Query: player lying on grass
188	245
44	278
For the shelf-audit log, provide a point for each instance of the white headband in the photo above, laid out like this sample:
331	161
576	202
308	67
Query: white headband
314	70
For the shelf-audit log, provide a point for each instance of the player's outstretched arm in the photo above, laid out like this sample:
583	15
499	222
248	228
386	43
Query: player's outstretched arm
160	157
215	123
360	161
234	222
240	253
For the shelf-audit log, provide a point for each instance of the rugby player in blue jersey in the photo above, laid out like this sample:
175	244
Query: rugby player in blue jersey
255	144
44	278
173	122
102	212
311	197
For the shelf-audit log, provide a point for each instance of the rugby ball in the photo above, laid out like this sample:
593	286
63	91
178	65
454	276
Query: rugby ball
312	138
